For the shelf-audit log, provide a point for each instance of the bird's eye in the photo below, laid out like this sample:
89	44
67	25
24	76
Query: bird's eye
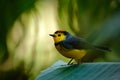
59	34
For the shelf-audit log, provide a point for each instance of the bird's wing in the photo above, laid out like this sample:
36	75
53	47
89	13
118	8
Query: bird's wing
73	42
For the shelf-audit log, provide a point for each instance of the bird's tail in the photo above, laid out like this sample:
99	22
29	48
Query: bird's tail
103	48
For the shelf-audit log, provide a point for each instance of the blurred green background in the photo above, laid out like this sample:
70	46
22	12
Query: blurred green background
25	25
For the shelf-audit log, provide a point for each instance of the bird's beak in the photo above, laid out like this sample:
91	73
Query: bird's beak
52	35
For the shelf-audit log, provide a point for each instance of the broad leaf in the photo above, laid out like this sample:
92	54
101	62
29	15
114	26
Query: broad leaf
86	71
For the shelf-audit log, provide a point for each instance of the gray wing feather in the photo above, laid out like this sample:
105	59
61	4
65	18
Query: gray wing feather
73	42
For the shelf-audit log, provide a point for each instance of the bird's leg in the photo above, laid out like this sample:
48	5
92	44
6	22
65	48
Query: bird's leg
70	61
79	62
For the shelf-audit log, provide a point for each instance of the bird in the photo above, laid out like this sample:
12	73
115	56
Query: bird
73	47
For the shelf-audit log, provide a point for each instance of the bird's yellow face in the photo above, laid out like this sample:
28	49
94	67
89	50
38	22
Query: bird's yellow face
59	36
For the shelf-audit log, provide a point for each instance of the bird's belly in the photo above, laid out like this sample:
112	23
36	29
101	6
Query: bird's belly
71	53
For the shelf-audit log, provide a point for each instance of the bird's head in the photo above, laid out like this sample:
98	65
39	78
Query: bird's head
59	35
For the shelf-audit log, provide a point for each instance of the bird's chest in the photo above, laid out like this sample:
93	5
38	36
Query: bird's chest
71	53
61	49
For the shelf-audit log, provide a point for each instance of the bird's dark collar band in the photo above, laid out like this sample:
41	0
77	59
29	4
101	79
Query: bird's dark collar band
57	43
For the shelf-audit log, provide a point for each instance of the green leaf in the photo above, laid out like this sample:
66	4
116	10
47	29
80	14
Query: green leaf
86	71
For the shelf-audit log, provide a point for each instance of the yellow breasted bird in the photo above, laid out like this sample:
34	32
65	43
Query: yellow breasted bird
71	46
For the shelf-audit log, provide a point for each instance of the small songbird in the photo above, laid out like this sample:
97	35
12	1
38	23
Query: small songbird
72	46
